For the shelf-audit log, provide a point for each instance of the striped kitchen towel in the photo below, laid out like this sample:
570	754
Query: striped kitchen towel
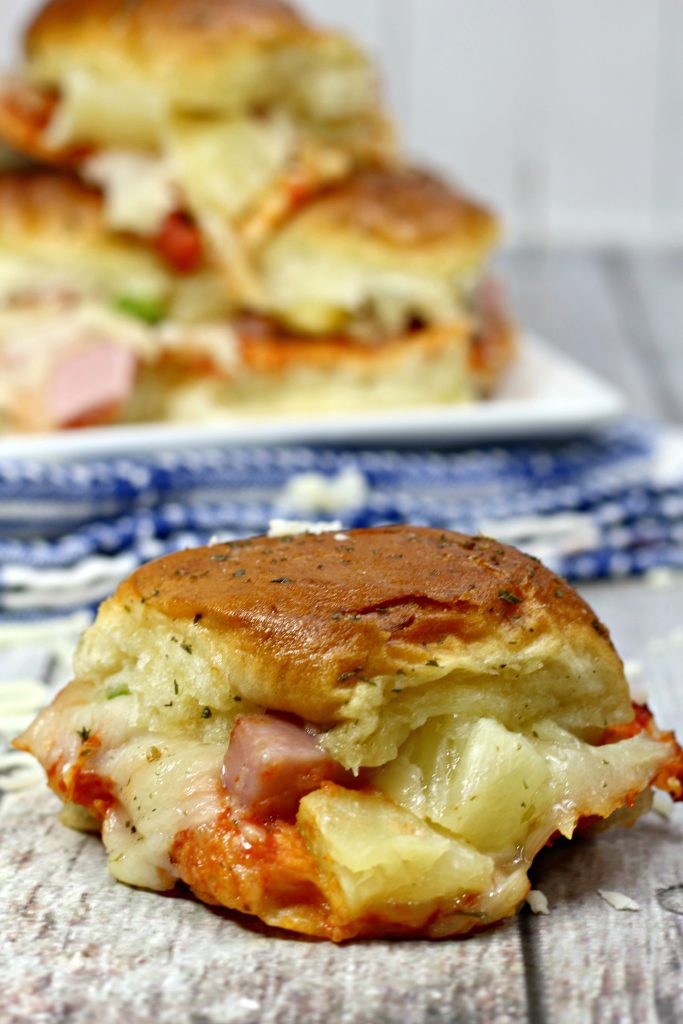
611	505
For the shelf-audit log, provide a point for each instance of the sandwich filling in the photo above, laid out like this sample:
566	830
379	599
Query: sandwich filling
67	359
234	181
255	110
408	793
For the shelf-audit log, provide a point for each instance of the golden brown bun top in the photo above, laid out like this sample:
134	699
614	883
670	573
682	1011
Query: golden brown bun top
35	201
401	207
53	234
191	19
317	615
221	58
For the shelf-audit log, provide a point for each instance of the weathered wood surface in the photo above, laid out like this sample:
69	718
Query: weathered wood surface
620	313
77	947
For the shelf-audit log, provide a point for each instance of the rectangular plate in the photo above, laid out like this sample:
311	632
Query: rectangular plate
546	394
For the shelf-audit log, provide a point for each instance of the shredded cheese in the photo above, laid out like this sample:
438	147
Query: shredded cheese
139	189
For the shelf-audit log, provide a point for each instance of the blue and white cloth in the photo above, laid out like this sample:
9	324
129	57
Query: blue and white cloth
611	505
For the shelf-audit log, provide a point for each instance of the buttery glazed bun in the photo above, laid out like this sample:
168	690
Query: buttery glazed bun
83	19
387	246
34	202
52	230
306	623
226	57
371	732
53	237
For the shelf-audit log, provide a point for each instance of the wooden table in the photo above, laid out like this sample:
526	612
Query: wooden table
78	947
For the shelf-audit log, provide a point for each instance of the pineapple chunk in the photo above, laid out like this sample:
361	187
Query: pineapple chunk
224	166
420	778
481	782
501	790
501	785
372	852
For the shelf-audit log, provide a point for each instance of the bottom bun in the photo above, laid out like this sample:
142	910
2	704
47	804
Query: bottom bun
275	374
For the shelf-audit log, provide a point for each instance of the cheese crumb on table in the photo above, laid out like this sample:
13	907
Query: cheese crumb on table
618	900
537	902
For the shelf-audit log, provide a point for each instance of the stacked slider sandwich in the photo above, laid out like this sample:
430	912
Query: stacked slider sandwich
220	224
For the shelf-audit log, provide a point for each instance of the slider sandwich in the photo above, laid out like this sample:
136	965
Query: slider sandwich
86	312
369	733
373	296
204	121
395	256
377	298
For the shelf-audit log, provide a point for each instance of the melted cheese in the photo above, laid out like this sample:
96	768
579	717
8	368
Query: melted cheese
460	814
164	786
219	167
138	188
52	326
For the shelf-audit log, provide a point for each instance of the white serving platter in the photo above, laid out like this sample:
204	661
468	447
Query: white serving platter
545	395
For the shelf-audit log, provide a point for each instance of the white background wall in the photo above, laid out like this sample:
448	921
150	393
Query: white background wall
566	114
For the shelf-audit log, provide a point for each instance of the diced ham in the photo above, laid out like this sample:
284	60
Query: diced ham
272	763
90	385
